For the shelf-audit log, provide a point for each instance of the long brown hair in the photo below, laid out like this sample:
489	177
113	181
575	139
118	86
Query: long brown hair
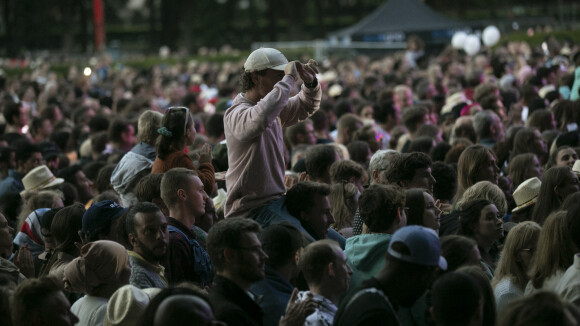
339	194
548	200
522	236
470	162
555	250
518	167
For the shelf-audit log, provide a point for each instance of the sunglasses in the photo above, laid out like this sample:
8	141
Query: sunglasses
181	109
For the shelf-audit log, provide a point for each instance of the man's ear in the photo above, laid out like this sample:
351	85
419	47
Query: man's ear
346	135
398	218
492	130
296	257
330	269
181	195
375	175
229	254
432	312
255	78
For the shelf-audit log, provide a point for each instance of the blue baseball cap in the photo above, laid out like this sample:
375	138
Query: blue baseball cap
423	243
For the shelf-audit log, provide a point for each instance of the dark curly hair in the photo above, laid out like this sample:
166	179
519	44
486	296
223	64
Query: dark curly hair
446	177
378	206
403	167
246	79
301	198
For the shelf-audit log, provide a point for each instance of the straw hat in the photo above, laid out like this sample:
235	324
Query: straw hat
335	90
452	100
127	304
527	193
545	90
39	178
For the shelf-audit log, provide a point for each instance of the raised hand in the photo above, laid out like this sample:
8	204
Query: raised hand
24	261
308	71
297	312
289	181
205	154
290	69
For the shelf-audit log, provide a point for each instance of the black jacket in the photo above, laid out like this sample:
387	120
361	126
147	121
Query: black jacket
232	305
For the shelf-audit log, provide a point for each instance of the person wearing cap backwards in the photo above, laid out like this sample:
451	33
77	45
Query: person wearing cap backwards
413	257
101	221
253	128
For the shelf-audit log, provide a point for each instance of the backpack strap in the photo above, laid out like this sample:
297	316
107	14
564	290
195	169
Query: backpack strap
202	263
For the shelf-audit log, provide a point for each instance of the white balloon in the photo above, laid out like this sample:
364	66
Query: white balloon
458	40
490	35
164	52
472	45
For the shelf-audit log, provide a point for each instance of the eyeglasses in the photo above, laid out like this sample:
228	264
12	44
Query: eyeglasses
179	109
251	248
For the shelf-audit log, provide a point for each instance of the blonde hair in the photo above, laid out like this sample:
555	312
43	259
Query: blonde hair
149	122
339	193
34	200
342	151
485	190
522	236
555	250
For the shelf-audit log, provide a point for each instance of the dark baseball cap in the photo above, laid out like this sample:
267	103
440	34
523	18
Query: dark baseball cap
99	214
48	149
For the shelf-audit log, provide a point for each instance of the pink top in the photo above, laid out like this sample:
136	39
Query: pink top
255	147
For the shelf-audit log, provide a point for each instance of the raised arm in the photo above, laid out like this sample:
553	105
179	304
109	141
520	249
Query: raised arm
307	101
246	122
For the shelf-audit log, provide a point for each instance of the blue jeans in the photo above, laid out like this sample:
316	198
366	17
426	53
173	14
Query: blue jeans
276	212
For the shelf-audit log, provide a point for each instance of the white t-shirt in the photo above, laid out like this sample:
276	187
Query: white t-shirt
90	310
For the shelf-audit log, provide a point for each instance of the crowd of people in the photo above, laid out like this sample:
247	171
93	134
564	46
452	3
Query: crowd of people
406	189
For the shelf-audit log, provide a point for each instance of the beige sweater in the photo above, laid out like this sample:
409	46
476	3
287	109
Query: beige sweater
255	147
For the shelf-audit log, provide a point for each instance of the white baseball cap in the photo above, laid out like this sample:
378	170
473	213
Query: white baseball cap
265	58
